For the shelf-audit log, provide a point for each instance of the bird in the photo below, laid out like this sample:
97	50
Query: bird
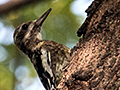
49	58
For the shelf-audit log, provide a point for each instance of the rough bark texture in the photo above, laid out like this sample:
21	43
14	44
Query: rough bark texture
95	61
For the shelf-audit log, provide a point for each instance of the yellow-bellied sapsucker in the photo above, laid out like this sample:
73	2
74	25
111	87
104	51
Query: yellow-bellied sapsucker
48	57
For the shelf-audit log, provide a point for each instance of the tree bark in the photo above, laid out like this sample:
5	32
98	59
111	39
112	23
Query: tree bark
95	60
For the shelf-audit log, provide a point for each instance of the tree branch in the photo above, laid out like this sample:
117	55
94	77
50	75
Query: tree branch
13	5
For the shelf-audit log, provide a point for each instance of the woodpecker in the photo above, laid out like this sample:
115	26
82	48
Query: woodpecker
48	57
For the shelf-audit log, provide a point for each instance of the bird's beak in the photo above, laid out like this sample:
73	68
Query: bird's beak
40	21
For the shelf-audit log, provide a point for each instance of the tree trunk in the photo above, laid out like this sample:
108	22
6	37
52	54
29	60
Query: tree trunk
95	60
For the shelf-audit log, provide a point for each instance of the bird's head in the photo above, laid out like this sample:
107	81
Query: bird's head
28	32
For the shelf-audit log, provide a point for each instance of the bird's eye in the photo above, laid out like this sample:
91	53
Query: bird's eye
25	26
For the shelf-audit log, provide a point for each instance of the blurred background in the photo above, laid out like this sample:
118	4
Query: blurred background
16	70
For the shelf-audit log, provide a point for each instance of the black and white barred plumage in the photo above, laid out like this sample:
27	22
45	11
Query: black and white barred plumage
48	57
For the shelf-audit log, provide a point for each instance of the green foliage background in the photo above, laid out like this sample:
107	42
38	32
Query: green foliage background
60	26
